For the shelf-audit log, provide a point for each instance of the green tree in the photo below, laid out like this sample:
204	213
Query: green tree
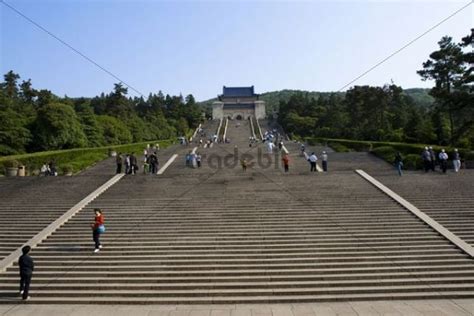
10	85
90	125
115	132
14	136
57	127
447	68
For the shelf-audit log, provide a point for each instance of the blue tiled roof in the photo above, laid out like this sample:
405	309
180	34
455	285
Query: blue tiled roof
238	91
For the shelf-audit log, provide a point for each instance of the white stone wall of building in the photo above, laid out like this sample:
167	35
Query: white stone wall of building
260	110
217	110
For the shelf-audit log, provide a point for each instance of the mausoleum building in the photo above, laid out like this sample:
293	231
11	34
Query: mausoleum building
238	103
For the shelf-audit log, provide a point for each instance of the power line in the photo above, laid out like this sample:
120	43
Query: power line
70	47
406	45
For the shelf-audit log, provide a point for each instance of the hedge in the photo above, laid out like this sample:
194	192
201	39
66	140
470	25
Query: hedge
78	158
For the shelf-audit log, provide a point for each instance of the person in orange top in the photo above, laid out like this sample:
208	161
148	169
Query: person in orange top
97	228
286	162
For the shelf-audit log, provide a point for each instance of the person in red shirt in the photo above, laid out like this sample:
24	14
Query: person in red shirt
97	228
286	162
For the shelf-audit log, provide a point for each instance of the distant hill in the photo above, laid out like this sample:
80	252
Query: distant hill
272	99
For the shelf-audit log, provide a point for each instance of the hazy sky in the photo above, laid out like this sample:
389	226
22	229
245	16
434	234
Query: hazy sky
199	46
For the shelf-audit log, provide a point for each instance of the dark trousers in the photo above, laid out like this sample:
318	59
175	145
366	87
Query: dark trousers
199	164
153	168
96	237
444	165
287	168
313	166
427	165
119	168
25	280
325	166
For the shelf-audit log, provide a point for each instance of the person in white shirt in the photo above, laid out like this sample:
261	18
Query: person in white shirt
443	160
456	160
324	158
270	147
312	160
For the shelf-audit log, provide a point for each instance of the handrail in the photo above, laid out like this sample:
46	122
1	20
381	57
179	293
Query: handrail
252	128
225	130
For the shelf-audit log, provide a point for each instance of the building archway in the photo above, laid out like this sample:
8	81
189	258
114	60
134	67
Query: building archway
239	117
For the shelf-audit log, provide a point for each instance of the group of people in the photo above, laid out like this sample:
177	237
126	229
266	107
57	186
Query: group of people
49	169
151	162
312	159
430	160
129	160
193	159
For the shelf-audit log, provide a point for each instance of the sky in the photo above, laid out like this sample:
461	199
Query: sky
196	47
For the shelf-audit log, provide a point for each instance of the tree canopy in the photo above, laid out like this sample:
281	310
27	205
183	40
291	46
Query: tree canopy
32	120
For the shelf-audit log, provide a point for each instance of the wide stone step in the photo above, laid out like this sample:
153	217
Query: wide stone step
44	278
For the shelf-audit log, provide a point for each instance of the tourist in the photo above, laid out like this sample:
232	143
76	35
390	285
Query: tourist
398	162
426	157
188	159
456	160
270	146
286	162
198	160
243	162
146	165
312	160
280	146
433	159
324	158
193	159
44	171
52	168
443	160
97	228
118	162
127	163
153	162
133	164
26	266
302	149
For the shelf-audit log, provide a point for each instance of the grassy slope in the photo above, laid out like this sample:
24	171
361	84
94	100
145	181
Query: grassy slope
78	158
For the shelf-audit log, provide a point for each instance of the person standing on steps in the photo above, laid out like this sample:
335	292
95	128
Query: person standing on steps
133	163
398	162
456	160
286	162
127	164
433	159
312	160
324	158
243	162
153	161
118	162
302	149
443	160
426	157
26	266
198	160
97	228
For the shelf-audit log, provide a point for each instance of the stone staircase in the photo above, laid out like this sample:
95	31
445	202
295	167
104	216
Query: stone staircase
221	235
29	204
447	198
